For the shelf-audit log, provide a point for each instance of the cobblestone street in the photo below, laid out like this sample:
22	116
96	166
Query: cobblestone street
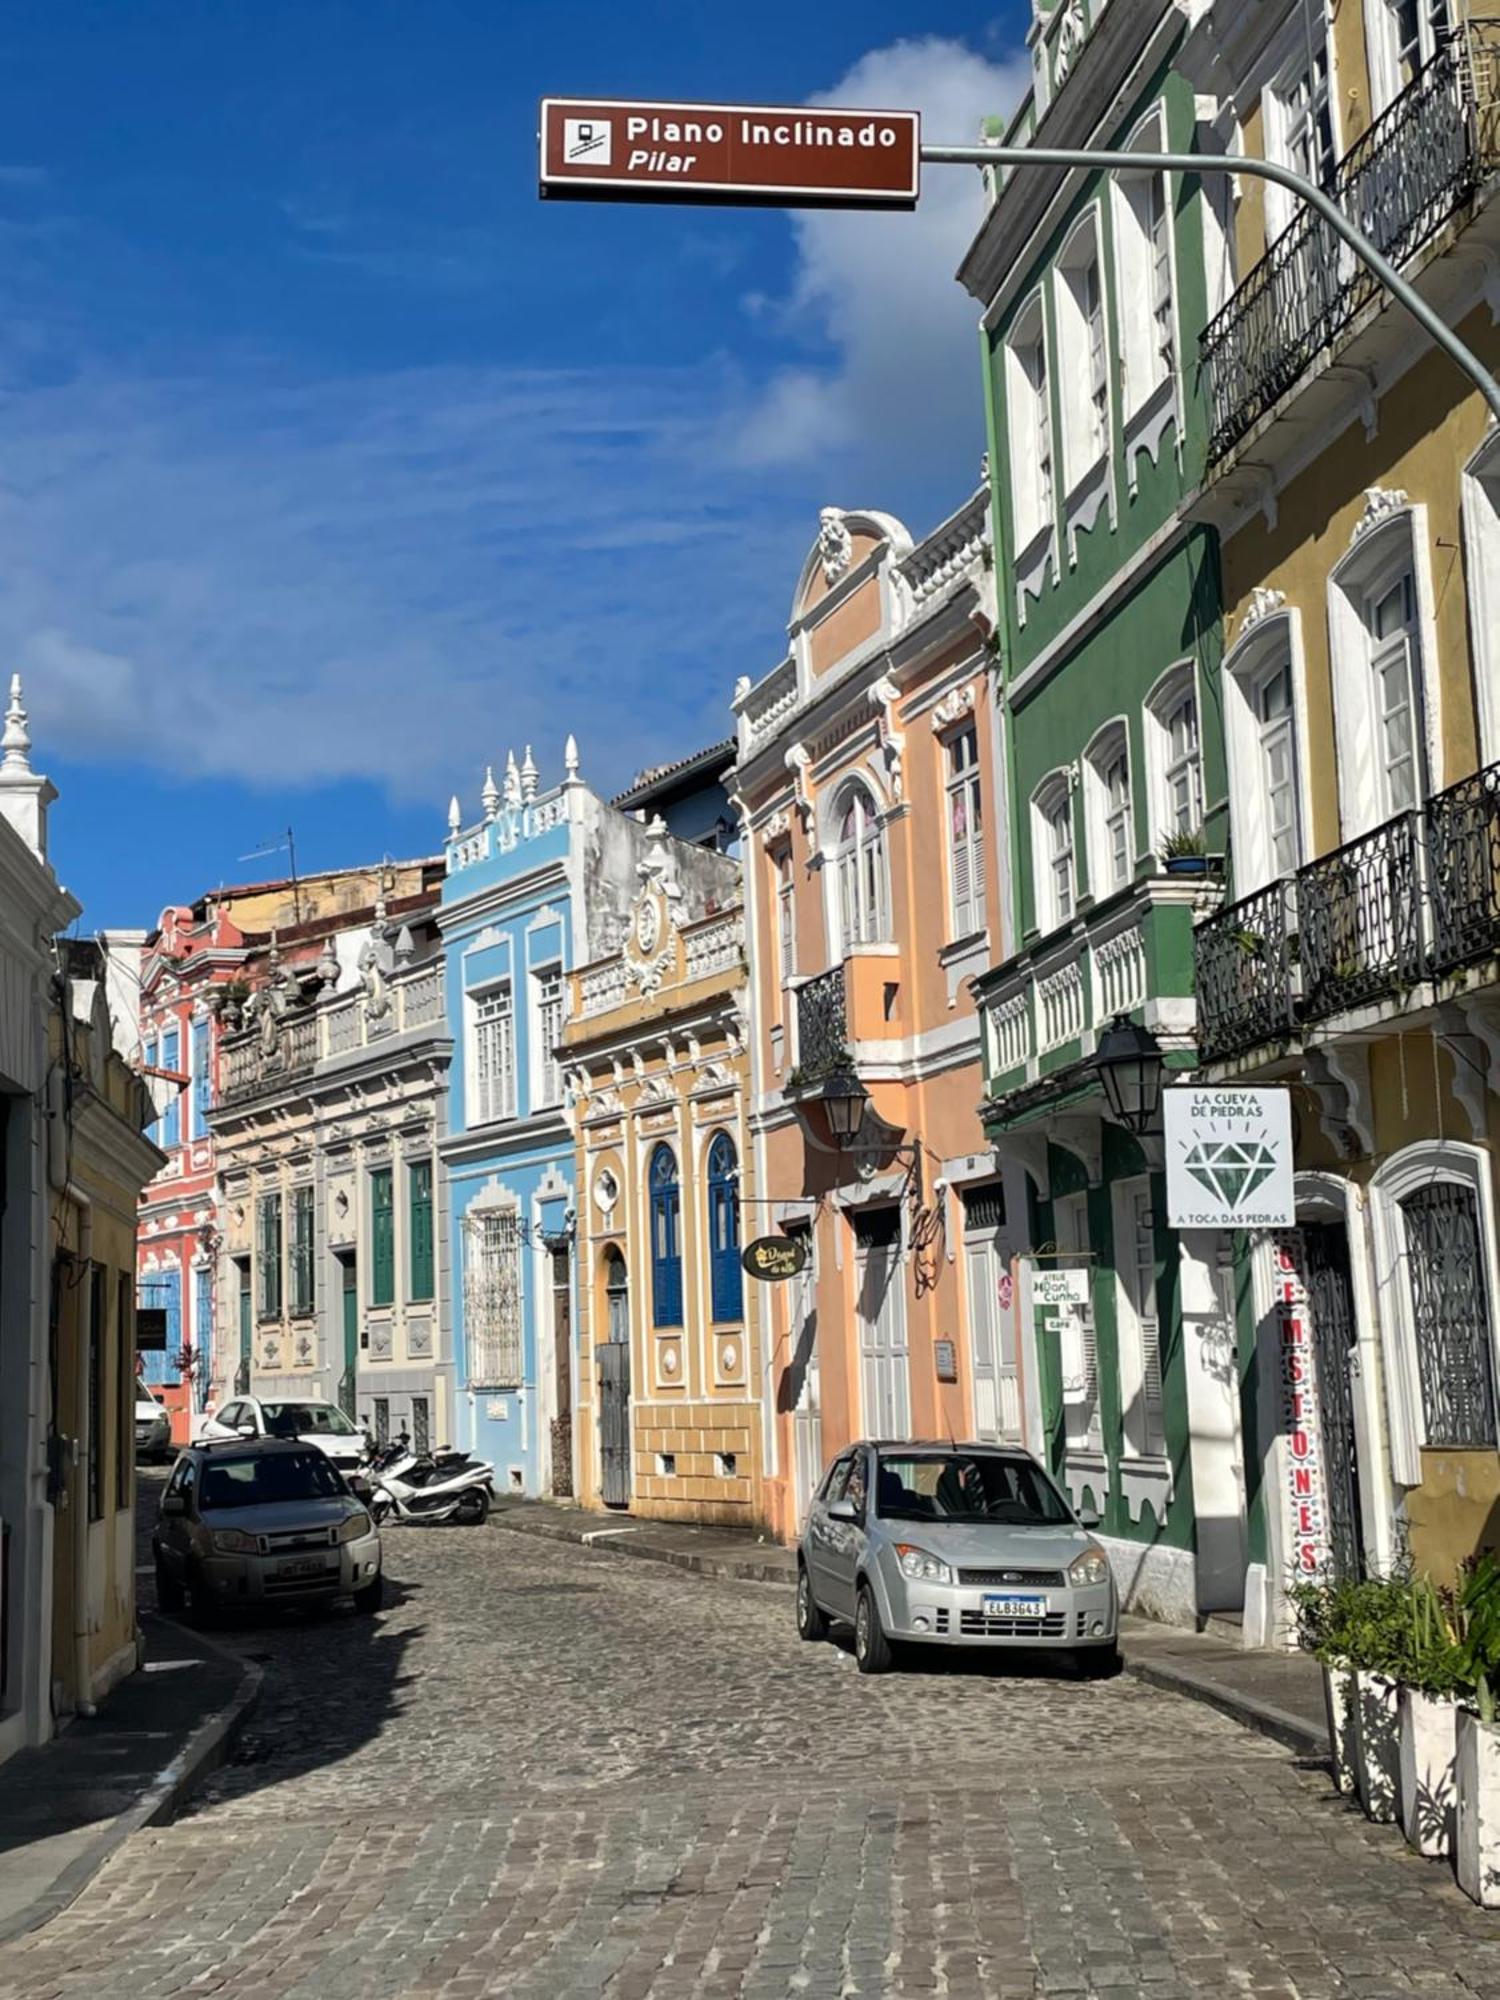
553	1772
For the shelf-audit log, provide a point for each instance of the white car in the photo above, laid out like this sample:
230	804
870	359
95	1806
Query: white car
304	1419
153	1425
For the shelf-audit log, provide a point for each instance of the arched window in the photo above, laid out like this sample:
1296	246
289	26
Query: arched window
616	1295
666	1239
860	870
724	1229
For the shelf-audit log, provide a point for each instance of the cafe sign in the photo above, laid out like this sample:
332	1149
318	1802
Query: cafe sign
1229	1158
774	1257
611	149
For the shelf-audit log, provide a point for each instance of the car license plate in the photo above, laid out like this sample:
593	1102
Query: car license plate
301	1566
1011	1606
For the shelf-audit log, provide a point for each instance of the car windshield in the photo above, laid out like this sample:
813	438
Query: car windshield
968	1486
268	1477
293	1420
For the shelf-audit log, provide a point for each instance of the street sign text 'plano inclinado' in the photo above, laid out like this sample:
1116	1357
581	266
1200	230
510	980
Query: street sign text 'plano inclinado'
601	149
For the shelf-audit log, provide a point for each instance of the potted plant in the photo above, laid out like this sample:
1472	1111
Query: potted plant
1183	852
1430	1677
1322	1611
1477	1833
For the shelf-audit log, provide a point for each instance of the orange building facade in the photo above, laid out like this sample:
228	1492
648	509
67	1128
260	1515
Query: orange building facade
867	778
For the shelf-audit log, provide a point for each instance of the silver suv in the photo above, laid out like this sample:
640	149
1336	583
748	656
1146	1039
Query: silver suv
262	1523
953	1545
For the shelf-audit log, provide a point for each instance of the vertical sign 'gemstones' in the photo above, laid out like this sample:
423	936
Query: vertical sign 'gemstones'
600	149
1302	1437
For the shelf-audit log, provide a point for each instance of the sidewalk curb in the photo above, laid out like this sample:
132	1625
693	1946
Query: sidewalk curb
1290	1731
162	1799
623	1541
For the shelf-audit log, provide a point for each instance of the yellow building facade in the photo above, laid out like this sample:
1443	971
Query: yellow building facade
1354	479
668	1337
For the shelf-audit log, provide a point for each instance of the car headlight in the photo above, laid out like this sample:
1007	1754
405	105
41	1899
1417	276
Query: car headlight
922	1567
234	1542
357	1526
1092	1567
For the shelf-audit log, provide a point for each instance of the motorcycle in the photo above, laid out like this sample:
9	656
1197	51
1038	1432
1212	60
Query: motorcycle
411	1486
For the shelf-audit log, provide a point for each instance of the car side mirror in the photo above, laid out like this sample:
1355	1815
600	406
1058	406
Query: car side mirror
172	1503
842	1510
1089	1517
245	1430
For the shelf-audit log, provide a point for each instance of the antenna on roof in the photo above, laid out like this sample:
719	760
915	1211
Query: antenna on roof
288	844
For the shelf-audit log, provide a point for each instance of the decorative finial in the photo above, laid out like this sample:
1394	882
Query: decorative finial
528	776
405	945
512	780
328	963
455	816
570	758
16	742
489	797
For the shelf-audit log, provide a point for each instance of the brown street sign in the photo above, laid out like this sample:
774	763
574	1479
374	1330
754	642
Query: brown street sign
773	1257
785	156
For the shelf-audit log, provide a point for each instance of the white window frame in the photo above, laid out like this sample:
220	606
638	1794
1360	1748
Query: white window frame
1083	1424
1481	512
1273	642
1138	1320
1030	429
1377	558
1406	1171
492	1230
1277	120
961	785
859	871
1108	746
1162	705
1381	39
1083	356
1054	866
1146	277
546	1067
480	1096
786	918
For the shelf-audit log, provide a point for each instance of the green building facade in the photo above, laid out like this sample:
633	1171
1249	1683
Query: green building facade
1093	291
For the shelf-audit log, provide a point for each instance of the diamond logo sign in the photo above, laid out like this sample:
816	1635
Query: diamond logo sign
1229	1159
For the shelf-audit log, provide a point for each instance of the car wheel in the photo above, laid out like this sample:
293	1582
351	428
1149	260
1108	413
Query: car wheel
811	1623
170	1595
1097	1663
872	1649
369	1599
473	1507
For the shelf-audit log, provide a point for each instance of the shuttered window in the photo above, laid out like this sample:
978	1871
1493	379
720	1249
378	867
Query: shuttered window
382	1237
965	835
203	1080
725	1275
302	1250
268	1244
666	1239
419	1211
171	1118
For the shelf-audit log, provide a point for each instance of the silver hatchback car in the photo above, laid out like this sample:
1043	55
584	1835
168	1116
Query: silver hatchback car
953	1545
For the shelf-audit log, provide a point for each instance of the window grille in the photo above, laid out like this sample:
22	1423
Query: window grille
984	1207
1450	1315
421	1425
492	1298
494	1057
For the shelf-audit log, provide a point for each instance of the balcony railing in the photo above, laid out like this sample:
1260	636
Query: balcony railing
252	1066
1399	183
1414	899
822	1027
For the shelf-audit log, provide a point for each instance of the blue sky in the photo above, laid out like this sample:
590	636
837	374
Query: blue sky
333	463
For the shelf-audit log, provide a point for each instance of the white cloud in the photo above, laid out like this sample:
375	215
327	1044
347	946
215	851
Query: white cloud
877	292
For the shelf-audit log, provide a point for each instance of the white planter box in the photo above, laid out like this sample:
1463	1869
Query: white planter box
1429	1780
1379	1745
1338	1699
1477	1848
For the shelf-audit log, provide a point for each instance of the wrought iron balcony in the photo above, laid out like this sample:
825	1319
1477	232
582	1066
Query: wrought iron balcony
1243	968
1420	161
1415	899
1358	918
1463	870
822	1028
